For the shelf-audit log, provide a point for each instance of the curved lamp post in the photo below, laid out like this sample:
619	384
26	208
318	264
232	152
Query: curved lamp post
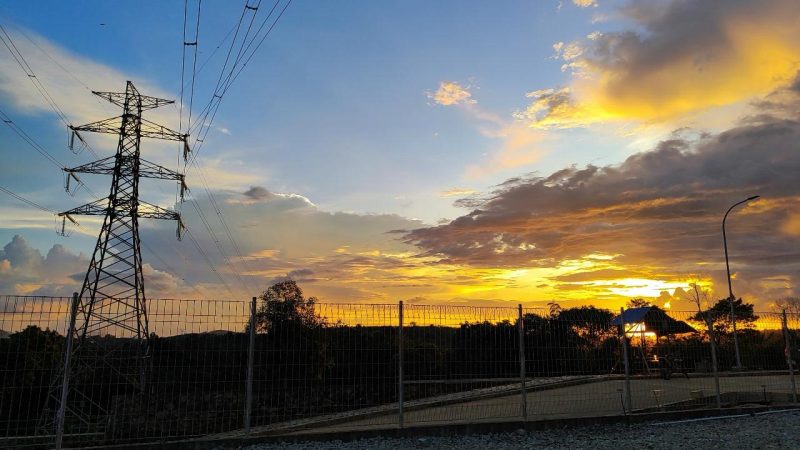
730	288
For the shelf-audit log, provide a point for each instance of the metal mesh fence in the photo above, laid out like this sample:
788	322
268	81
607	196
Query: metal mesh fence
31	349
207	370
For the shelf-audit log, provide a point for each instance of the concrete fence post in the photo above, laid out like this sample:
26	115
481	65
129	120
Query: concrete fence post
400	418
628	404
62	405
248	397
523	400
788	350
714	367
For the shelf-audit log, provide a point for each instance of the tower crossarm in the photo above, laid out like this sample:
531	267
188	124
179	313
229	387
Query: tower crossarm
156	131
151	211
144	210
149	129
95	208
108	126
103	166
148	169
147	102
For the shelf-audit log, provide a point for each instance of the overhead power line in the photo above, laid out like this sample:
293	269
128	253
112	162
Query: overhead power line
229	74
193	41
245	53
37	83
194	62
26	201
29	140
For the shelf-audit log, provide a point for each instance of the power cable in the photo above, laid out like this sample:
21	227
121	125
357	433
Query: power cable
29	140
231	77
26	201
61	66
195	44
194	63
37	83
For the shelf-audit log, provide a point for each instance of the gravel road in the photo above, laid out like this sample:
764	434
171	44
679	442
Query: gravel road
777	430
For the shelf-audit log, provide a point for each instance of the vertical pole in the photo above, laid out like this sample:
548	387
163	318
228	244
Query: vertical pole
714	360
627	386
62	406
789	361
400	366
248	399
523	399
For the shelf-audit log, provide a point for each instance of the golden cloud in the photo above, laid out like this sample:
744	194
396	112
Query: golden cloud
456	192
689	56
451	93
658	213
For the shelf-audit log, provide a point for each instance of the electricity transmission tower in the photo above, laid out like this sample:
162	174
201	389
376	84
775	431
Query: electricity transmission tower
112	296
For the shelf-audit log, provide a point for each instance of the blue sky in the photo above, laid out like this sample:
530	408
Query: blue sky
342	111
341	90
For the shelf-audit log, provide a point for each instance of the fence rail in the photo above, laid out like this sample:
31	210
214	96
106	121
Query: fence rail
216	367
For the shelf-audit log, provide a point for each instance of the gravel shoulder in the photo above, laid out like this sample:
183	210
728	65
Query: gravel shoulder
773	430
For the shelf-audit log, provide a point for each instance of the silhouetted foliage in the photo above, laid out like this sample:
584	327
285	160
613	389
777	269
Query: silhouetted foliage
637	303
304	366
283	304
29	358
719	315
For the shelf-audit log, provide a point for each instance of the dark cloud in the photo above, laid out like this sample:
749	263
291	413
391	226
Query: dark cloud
660	209
258	193
298	275
795	86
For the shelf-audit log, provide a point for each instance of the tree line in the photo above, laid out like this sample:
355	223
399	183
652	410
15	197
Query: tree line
305	365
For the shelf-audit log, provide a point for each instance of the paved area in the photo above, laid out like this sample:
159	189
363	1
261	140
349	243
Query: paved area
598	398
768	430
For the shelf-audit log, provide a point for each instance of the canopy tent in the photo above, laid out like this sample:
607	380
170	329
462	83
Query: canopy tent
654	319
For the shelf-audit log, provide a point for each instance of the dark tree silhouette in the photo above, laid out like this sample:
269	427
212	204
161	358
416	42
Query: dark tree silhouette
638	303
590	323
283	304
719	315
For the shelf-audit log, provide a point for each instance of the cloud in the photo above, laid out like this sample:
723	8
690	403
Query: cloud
584	3
279	236
228	171
659	210
66	90
456	192
520	145
298	275
451	93
258	193
678	58
23	269
791	225
556	108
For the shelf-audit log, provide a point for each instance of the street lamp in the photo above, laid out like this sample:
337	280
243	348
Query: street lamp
730	288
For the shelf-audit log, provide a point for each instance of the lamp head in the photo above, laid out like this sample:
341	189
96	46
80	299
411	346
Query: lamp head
753	197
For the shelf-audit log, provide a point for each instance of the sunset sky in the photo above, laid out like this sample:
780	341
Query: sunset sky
485	153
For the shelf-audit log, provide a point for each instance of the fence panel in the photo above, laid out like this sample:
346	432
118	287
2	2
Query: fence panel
336	367
332	363
32	333
461	363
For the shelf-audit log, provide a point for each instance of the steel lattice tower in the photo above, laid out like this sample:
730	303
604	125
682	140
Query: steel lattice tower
115	271
112	296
